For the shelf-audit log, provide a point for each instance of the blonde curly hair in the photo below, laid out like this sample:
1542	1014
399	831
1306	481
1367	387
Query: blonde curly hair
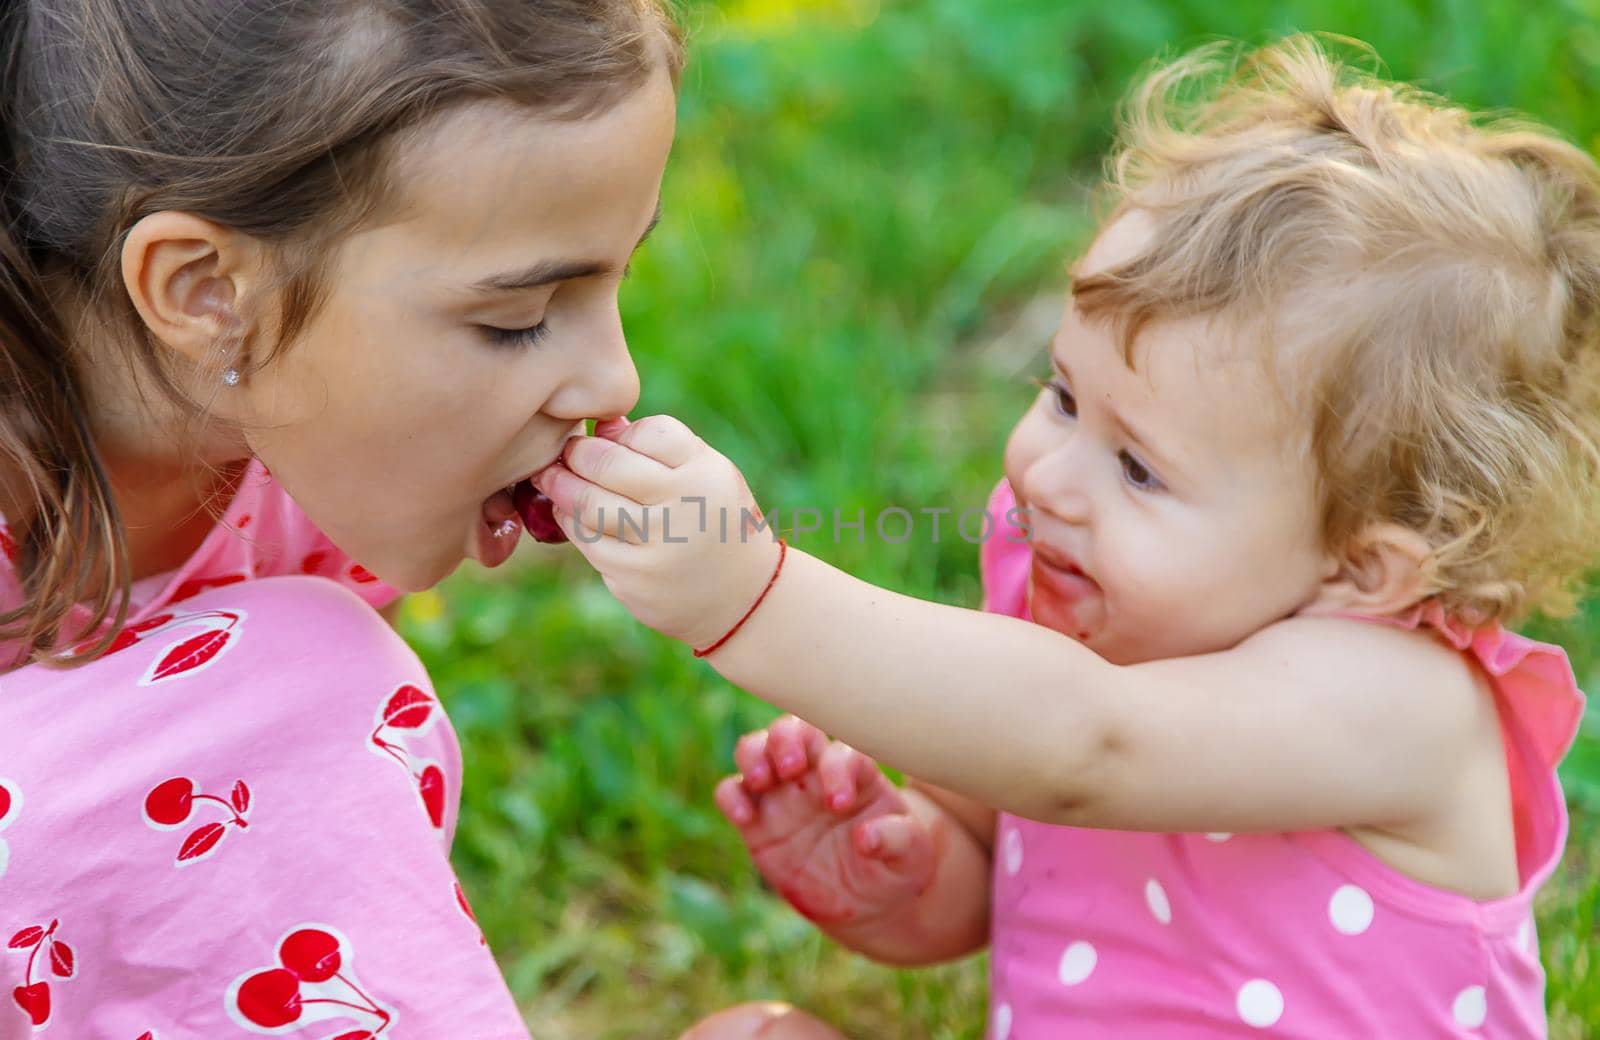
1428	280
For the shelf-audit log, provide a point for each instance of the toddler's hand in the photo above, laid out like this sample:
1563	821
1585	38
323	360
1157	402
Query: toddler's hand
824	826
666	521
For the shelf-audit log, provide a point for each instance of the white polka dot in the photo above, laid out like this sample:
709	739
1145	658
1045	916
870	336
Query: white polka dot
1219	835
1013	851
1260	1003
1525	935
1002	1019
1350	909
1076	963
1471	1007
1155	898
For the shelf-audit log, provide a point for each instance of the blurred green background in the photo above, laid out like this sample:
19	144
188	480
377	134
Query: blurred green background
866	219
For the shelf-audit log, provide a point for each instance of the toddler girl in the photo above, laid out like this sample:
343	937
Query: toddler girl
1321	421
374	247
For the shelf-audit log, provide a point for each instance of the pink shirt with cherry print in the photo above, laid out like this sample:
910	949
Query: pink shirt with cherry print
238	822
1301	935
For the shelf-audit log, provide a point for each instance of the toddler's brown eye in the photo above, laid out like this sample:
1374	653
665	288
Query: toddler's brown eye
1137	474
1066	404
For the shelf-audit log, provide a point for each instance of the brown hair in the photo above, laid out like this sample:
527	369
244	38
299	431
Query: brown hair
1432	278
279	118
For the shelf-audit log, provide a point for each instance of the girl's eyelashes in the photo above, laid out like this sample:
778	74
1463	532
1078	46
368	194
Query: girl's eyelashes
1066	404
1136	473
515	338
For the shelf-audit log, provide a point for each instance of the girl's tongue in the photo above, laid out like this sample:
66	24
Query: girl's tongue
537	513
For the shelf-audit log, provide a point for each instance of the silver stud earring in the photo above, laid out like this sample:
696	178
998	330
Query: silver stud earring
231	377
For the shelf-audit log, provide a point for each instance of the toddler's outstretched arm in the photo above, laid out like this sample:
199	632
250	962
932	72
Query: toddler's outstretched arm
1294	728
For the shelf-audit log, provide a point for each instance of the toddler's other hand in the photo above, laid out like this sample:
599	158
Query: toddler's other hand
663	518
824	826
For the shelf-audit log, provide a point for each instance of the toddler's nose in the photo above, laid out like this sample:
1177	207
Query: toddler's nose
1059	483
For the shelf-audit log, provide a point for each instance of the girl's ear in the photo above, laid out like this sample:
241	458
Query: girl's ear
1383	570
187	277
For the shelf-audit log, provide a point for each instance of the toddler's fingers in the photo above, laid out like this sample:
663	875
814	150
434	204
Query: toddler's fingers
839	769
893	840
793	745
734	802
608	465
661	437
594	508
750	755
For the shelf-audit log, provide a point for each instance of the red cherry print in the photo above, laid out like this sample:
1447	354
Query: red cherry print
194	586
146	1035
171	802
431	786
201	841
244	521
61	960
34	1000
270	998
461	900
240	797
313	562
8	545
29	936
356	1034
361	576
5	801
311	953
191	653
408	708
154	621
126	638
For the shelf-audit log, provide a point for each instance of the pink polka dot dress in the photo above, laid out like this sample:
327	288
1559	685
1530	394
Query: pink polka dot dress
1302	935
238	822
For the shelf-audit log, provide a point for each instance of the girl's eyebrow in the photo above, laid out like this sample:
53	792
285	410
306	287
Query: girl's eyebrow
548	272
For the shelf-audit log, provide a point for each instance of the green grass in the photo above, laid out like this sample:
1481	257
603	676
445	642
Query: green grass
865	221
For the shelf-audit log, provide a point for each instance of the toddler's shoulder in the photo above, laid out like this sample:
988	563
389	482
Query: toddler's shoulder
1392	672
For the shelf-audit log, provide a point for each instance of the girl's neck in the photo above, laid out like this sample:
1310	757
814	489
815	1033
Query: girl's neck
168	511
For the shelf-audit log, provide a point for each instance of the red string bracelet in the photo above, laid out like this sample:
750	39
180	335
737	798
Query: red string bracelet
783	550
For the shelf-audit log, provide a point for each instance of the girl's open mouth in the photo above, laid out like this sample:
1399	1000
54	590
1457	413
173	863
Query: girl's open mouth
506	513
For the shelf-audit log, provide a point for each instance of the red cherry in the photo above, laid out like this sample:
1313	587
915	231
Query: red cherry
431	786
356	1034
171	802
5	800
270	998
538	513
34	1000
310	953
